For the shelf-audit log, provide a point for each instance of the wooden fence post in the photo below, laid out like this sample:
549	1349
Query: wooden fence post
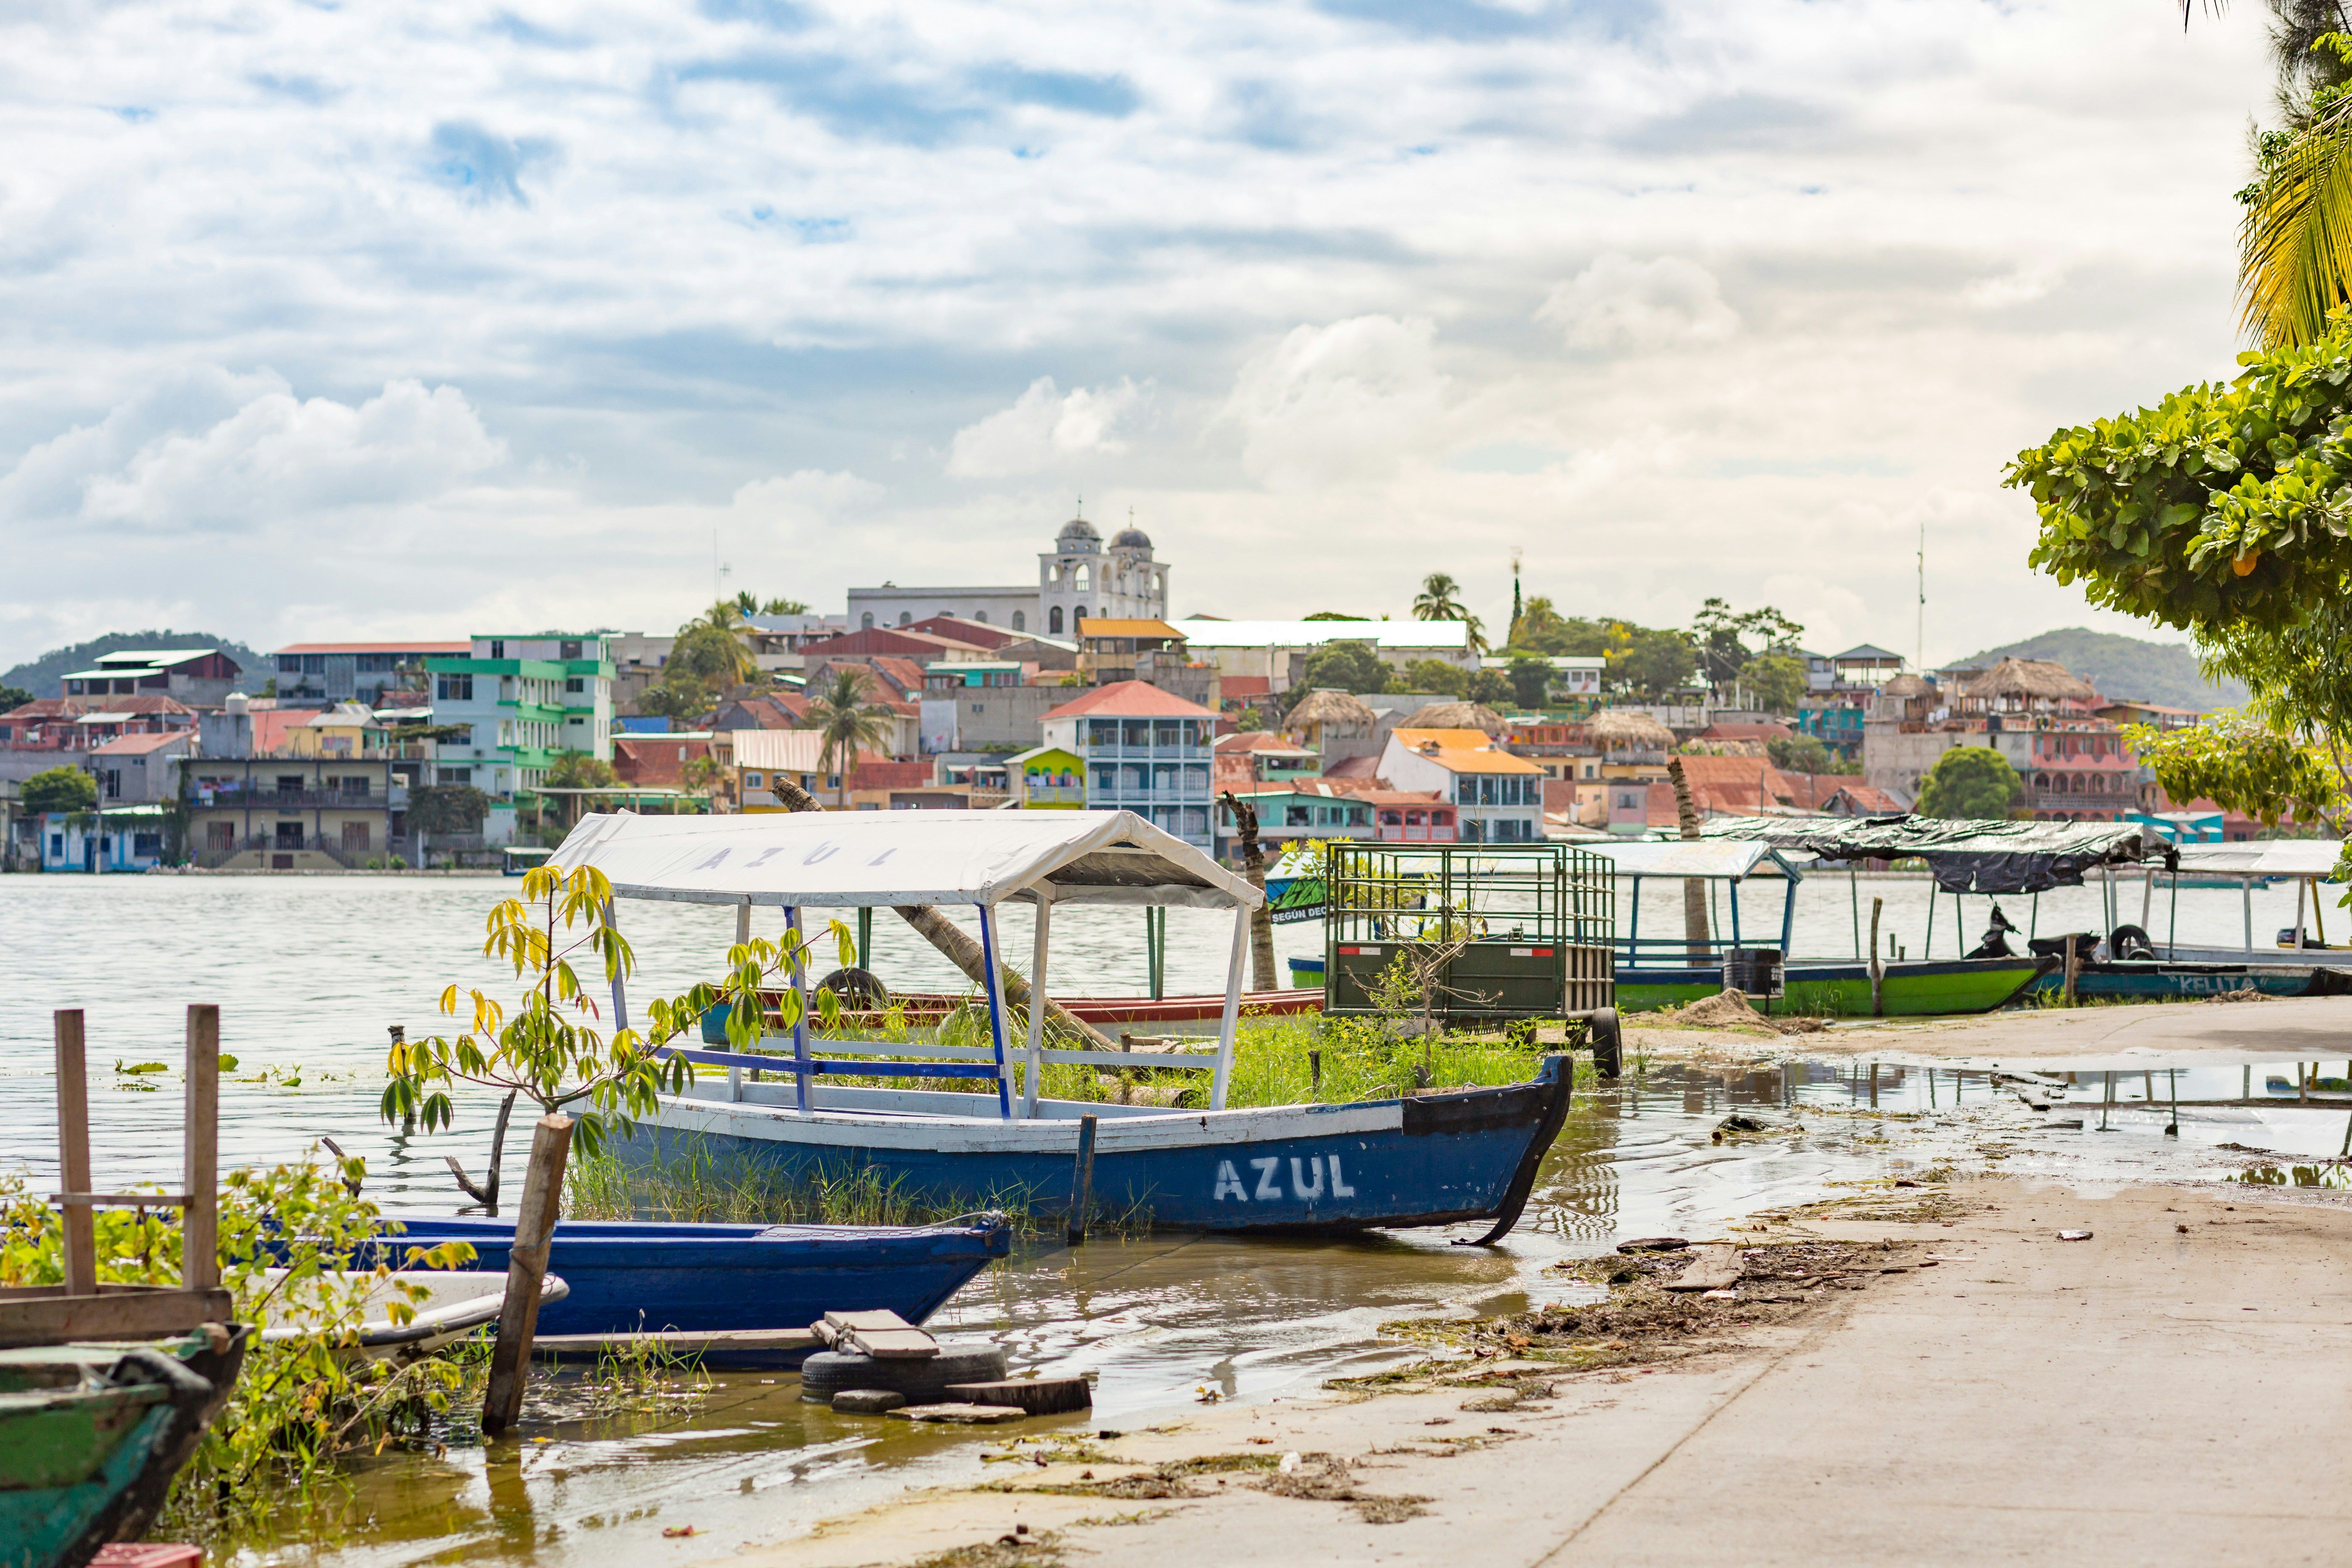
2074	967
80	1242
200	1231
542	1200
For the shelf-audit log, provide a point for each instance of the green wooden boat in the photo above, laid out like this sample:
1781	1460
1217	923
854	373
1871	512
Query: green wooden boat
1911	989
91	1436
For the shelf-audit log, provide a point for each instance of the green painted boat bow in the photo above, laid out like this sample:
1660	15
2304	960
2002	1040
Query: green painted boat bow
1843	990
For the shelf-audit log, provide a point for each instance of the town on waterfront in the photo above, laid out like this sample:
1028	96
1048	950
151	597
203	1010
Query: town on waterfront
985	786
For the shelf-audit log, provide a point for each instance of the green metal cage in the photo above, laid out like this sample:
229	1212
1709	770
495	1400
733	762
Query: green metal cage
1490	931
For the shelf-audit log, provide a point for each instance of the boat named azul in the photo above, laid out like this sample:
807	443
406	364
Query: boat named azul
1433	1159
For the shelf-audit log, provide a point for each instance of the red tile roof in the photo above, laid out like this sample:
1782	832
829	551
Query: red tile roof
980	634
1364	767
890	775
133	745
891	639
655	762
1132	699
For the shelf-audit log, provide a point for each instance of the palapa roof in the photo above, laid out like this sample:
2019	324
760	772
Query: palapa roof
1325	706
1615	729
1908	685
2031	678
1460	716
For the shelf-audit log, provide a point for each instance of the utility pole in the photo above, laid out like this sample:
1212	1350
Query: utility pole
1921	632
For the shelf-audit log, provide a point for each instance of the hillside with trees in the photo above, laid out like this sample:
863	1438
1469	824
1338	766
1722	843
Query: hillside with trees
44	676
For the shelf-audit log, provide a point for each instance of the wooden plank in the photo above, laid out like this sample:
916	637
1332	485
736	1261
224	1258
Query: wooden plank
891	1344
543	1192
200	1227
958	1414
1033	1395
126	1315
878	1319
1712	1267
80	1241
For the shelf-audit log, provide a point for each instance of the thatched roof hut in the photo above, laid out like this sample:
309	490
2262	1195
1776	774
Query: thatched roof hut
1459	716
1908	685
1628	730
2027	683
1325	708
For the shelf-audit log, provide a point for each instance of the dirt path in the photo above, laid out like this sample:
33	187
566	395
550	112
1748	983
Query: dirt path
2305	1028
2176	1388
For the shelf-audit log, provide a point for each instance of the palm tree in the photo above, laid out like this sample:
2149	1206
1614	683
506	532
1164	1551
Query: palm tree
2294	238
1437	601
848	722
730	636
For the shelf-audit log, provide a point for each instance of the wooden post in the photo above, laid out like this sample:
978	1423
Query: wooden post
542	1196
80	1243
2074	967
1877	964
200	1229
1082	1183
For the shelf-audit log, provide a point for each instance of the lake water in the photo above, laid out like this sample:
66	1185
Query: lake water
309	971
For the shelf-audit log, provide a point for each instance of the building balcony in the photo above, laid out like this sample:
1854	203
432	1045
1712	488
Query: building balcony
1055	795
293	800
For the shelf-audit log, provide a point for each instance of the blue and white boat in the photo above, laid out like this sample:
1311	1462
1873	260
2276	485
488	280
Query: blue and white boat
1433	1159
627	1276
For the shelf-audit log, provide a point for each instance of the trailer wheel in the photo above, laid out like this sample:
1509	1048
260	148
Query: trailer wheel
1607	1042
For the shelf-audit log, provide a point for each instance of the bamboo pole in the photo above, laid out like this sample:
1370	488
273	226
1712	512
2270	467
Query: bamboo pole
542	1191
80	1241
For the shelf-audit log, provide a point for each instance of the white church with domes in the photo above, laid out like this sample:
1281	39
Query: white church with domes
1077	579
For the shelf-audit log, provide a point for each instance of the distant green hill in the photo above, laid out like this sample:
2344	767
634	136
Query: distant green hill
2124	667
45	676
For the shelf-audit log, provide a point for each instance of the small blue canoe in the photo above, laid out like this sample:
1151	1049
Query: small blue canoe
629	1277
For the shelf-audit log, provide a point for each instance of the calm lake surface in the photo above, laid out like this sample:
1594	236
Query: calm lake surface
309	971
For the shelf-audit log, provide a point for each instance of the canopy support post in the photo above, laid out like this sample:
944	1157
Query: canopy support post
1634	929
612	967
800	1014
995	987
1853	891
1928	947
2172	925
1733	893
1036	1063
1788	910
1231	1017
2301	887
2246	896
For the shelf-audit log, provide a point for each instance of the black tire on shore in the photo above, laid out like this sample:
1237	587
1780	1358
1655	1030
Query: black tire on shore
857	987
827	1372
2130	941
1608	1040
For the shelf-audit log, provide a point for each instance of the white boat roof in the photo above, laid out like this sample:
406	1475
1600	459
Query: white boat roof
853	859
1709	859
2262	857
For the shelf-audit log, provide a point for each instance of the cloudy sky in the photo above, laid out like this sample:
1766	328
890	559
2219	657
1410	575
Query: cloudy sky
339	320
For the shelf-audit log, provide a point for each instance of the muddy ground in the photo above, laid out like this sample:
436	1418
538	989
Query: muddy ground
1917	1375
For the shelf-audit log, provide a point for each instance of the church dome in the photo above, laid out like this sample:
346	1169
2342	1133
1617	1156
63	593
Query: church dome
1077	534
1131	539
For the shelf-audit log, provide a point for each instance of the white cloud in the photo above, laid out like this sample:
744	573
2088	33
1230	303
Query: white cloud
1043	429
1618	305
275	457
1340	405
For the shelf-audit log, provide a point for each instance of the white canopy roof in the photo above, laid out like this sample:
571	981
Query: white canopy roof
849	858
2262	857
1709	859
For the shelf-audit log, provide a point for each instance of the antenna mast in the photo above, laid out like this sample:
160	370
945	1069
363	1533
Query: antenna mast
1921	632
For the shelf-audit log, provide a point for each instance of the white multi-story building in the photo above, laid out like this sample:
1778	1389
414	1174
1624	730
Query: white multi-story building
1080	577
527	700
1146	750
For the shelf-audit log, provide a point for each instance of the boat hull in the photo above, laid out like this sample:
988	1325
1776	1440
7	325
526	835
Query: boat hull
631	1276
1434	1159
2124	980
1843	990
84	1459
924	1006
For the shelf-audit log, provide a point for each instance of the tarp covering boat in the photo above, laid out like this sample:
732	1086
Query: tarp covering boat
1965	857
2264	858
850	858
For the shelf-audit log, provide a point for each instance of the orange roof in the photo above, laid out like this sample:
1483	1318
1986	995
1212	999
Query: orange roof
1463	750
1105	626
1132	699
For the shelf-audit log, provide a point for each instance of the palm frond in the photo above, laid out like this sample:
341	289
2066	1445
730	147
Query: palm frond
2294	243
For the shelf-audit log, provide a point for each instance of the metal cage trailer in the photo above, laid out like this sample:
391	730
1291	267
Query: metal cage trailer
1496	931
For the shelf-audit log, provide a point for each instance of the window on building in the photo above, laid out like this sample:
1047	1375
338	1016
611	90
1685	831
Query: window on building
1079	579
570	649
1020	621
498	650
1053	621
1298	817
453	688
866	622
357	785
980	616
1135	733
905	617
576	684
1079	616
220	836
288	664
449	775
314	664
751	781
355	838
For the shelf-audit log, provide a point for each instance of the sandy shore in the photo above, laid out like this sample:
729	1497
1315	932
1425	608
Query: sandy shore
2300	1028
2176	1388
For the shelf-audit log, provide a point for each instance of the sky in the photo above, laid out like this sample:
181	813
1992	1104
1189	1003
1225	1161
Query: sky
331	321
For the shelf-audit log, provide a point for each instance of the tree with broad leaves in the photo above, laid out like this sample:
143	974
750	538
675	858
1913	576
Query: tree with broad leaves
1971	783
